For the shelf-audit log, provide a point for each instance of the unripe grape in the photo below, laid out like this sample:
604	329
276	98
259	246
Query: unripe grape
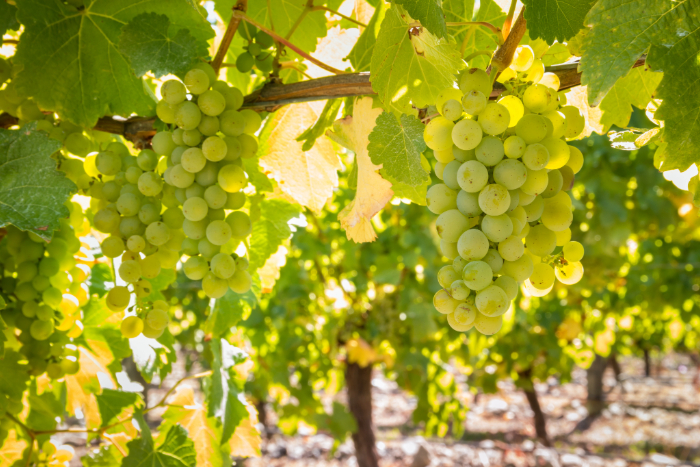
474	102
131	327
166	112
112	247
475	79
41	330
440	198
223	265
472	245
494	120
196	81
438	134
444	303
108	163
173	92
157	319
477	275
515	109
523	58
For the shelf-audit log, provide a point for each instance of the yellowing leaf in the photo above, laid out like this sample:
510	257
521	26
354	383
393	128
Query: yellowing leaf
373	192
308	177
360	352
246	440
82	386
363	11
578	97
270	272
332	50
12	449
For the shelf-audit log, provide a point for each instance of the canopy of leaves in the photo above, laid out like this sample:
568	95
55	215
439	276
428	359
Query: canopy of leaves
176	450
556	20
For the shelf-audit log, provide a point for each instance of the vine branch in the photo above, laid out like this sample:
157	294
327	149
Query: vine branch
221	52
509	19
503	56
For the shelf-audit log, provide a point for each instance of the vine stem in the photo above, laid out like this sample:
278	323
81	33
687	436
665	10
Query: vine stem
476	54
221	52
485	24
284	41
509	19
503	56
337	13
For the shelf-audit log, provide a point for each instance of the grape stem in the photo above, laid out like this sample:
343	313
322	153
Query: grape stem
476	54
284	41
503	56
241	6
509	19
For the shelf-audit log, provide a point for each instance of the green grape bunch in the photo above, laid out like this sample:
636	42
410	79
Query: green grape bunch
258	50
503	208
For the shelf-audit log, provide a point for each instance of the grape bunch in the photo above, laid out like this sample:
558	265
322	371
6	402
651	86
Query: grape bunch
184	196
42	289
257	50
502	208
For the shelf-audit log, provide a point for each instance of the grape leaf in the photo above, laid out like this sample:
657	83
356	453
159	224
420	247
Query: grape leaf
283	14
635	89
556	20
70	61
269	273
32	190
13	450
256	177
151	43
270	230
309	177
111	403
246	440
8	17
473	38
325	119
14	375
619	34
104	456
226	401
176	450
44	408
415	194
361	54
373	192
82	386
332	50
428	12
227	312
102	335
159	283
100	276
411	66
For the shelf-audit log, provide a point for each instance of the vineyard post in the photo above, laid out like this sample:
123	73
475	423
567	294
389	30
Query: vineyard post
359	384
594	376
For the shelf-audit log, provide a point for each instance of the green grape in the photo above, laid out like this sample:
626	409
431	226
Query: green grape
136	243
232	178
214	287
111	191
450	225
472	176
223	265
209	126
495	119
45	312
157	233
535	72
191	137
563	237
208	69
462	319
233	96
249	146
131	327
551	80
132	174
466	134
195	230
78	144
234	201
41	330
494	199
193	160
508	285
112	247
474	102
448	249
106	220
194	191
449	175
245	62
534	210
438	134
195	209
523	58
40	283
541	241
150	184
166	112
558	122
468	204
173	218
207	249
554	184
472	245
252	121
569	273
29	309
196	81
265	64
475	79
488	325
29	111
452	110
493	259
216	198
439	169
537	98
240	224
489	151
211	103
447	275
510	173
58	248
128	204
147	214
180	177
573	251
536	156
440	198
70	365
108	163
48	266
532	128
492	301
497	228
463	155
118	298
444	303
214	148
233	148
515	109
459	290
536	182
242	263
188	116
173	92
477	275
511	248
130	271
542	276
52	296
519	216
232	123
240	282
520	269
264	39
195	268
575	162
163	143
575	122
446	95
514	147
558	152
218	232
157	319
556	216
208	175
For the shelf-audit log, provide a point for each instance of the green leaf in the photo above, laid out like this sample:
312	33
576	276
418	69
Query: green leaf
411	67
270	230
283	14
624	139
99	329
635	89
415	194
14	375
256	176
227	312
325	120
177	450
474	38
70	61
340	422
100	276
3	338
111	403
104	456
226	401
361	54
159	283
235	412
151	43
8	17
32	191
556	20
619	34
428	12
44	408
398	146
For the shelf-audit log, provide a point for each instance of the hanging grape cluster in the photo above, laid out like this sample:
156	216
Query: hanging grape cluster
503	208
258	52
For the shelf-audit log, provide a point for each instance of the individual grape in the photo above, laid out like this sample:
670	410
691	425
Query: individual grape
207	249
157	319
459	290
106	220
195	209
534	210
536	156
466	134
173	218
489	151
233	148
245	62
223	265
575	122
232	178
150	267
240	224
136	243
536	182
497	228
472	245
214	287
214	148
166	112
463	155
514	147
445	156
112	247
488	325
163	143
492	301
554	184
558	122
472	176
195	230
452	110
215	197
477	275
234	201
444	303
118	298
232	123
515	109
150	184
208	126
542	276
494	199
75	143
439	170
532	128
148	213
193	160
253	120
573	251
173	92
208	175
459	263
150	332
157	233
196	81
494	120
556	216
558	152
568	177
132	175
520	269
523	58
450	173
440	198
41	330
551	80
537	98
191	137
510	173
130	271
541	241
462	319
519	218
108	163
218	232
188	116
447	275
575	161
195	268
264	39
569	273
131	327
563	237
249	146
468	204
535	72
494	260
240	282
211	103
509	286
446	95
474	102
450	225
475	79
511	248
233	96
